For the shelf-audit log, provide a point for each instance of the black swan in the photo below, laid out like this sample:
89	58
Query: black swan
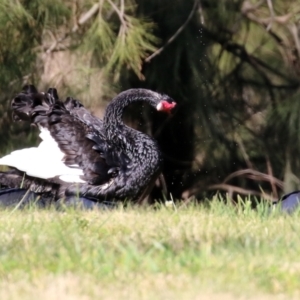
81	155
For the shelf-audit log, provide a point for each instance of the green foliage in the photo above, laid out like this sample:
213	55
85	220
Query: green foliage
135	41
126	47
99	38
24	25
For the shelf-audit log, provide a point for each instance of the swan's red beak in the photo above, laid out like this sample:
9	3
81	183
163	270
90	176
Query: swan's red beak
165	106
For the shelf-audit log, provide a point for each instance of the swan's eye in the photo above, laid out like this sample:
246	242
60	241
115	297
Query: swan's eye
113	172
165	106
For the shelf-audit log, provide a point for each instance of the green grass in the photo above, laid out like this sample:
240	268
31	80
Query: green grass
196	252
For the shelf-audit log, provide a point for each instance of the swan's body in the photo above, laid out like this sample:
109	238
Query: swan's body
81	154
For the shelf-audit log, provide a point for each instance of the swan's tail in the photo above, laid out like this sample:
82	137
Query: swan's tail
36	107
29	104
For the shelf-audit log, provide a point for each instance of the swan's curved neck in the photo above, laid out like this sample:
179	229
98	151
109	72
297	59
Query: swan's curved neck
114	111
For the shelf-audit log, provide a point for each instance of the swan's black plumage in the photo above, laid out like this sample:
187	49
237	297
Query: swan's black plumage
117	161
22	198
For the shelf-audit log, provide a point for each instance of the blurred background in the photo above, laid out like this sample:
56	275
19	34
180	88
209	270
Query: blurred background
233	67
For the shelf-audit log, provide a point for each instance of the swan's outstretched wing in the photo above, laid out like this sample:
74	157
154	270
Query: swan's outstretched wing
67	150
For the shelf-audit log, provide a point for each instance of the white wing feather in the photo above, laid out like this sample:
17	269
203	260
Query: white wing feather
45	161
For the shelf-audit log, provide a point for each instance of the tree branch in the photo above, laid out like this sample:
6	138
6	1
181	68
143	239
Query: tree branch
241	52
270	5
83	19
119	12
175	35
256	175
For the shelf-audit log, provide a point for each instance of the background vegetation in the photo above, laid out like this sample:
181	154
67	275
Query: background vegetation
232	65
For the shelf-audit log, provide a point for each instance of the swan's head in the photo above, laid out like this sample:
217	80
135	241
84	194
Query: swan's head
166	105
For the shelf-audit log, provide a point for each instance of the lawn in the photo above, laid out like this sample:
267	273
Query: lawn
212	251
